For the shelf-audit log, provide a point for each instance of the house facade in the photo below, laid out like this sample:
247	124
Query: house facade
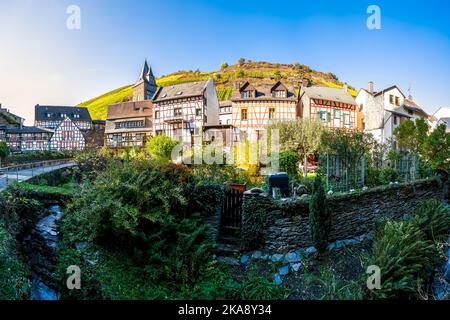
255	107
386	110
19	137
129	124
67	136
442	116
335	107
181	111
50	117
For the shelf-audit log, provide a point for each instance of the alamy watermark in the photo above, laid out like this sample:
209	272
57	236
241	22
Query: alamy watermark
74	280
374	20
374	279
73	22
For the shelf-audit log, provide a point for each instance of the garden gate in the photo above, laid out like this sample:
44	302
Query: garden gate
232	208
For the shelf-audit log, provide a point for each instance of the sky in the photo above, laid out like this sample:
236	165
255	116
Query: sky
44	62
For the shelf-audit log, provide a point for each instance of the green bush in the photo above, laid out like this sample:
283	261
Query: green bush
433	219
254	222
319	216
289	161
160	148
388	175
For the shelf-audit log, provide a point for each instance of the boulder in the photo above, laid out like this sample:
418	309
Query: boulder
229	261
245	259
277	257
310	251
296	266
284	271
277	280
257	255
292	257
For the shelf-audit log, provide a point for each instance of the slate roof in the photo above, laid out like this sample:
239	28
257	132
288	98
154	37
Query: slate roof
263	92
183	90
330	94
126	110
41	113
28	130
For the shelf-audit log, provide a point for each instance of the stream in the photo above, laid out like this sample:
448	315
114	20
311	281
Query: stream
41	246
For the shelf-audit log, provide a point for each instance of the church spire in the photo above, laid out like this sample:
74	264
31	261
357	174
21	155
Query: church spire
145	86
144	73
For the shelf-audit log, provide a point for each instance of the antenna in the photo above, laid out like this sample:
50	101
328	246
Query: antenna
410	90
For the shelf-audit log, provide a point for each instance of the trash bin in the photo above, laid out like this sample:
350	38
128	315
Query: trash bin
280	181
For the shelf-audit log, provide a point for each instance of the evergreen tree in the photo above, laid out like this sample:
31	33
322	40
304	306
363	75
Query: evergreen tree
319	216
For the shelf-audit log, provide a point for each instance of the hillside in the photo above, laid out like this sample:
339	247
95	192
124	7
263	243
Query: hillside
225	78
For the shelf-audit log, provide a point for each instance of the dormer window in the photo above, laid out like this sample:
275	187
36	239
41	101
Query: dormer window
248	94
279	94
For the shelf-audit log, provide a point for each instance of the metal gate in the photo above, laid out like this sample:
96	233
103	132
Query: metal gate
232	208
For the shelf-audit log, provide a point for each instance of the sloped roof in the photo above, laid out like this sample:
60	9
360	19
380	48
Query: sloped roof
264	92
127	110
183	90
28	130
330	94
41	113
410	105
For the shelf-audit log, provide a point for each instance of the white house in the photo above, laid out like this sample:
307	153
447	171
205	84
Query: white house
442	116
181	111
385	110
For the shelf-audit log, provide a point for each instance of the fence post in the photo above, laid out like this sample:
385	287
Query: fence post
328	172
363	171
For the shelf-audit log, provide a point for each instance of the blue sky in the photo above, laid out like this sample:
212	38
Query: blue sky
41	61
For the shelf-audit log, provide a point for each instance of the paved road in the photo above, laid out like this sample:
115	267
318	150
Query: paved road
26	174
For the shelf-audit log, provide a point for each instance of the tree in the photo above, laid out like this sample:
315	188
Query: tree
319	216
289	162
301	136
411	135
277	74
160	147
4	151
436	150
241	61
223	66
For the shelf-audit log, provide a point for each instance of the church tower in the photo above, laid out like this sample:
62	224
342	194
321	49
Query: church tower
145	87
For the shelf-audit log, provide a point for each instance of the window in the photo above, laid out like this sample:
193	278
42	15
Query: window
346	119
156	114
391	99
244	115
337	114
178	112
271	113
159	132
244	95
279	94
198	112
397	101
247	94
395	120
324	116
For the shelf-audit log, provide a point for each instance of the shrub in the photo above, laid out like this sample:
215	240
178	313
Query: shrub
160	148
433	219
254	221
319	216
289	161
402	253
388	175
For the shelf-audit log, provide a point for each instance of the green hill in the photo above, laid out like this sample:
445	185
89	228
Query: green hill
225	79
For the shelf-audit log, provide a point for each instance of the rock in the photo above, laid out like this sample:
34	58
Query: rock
296	266
277	280
310	251
245	259
339	245
257	255
365	188
300	190
229	261
351	242
265	257
331	246
256	191
292	257
277	257
304	196
441	290
284	270
330	192
447	271
352	190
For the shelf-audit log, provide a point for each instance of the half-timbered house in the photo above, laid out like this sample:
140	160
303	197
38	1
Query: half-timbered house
335	107
26	139
67	136
181	111
129	124
253	108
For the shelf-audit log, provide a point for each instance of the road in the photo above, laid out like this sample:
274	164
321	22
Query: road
26	174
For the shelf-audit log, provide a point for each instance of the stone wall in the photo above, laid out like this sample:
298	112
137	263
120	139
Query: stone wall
287	225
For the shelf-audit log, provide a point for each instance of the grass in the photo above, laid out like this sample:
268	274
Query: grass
98	107
65	189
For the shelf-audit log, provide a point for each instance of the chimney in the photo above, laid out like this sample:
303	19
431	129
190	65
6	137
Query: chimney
370	87
345	87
